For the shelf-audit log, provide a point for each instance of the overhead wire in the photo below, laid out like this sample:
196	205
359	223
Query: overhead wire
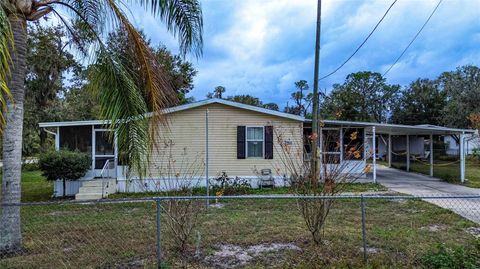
414	38
361	45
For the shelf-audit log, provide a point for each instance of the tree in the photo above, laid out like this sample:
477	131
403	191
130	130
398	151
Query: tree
48	61
302	100
364	96
246	99
118	94
217	92
422	102
475	121
271	106
180	73
462	87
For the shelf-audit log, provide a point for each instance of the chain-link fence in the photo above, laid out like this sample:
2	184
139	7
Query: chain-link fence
239	231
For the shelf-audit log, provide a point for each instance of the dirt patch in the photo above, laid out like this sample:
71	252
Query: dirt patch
435	228
475	231
231	256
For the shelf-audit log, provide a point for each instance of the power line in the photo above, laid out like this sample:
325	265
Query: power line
361	45
415	37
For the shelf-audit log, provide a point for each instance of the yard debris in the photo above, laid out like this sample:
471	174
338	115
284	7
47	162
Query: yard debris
371	250
435	227
475	231
231	256
400	201
217	205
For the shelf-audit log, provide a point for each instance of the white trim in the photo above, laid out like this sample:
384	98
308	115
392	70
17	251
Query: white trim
254	140
72	123
440	129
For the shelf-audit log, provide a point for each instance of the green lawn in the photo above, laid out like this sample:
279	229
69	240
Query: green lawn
35	187
399	233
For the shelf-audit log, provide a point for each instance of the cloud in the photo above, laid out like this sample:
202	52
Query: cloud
261	47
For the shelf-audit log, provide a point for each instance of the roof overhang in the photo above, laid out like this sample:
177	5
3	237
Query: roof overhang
181	108
72	123
398	129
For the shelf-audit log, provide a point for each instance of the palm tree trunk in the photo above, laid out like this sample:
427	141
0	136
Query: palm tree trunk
10	230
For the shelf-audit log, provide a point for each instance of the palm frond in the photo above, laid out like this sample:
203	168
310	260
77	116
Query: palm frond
122	103
183	18
6	43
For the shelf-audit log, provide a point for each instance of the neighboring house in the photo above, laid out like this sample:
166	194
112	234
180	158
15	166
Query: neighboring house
242	140
472	142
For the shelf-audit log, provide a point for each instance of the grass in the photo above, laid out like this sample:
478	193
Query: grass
123	235
351	187
35	187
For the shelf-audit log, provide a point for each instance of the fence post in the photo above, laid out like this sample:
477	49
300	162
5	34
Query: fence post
364	230
159	245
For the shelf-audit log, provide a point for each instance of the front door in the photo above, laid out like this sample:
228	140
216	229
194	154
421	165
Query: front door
103	154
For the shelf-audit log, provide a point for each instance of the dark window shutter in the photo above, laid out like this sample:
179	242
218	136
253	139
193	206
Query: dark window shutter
240	142
268	142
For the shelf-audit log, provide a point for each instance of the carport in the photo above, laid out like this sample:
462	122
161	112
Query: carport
376	131
411	140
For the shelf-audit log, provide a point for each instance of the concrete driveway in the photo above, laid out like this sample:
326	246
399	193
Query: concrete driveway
420	185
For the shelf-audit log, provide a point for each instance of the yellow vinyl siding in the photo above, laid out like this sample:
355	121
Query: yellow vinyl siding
187	133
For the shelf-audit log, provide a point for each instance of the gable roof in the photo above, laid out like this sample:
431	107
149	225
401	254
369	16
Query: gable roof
181	108
234	104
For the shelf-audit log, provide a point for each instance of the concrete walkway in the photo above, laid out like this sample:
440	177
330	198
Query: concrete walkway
421	185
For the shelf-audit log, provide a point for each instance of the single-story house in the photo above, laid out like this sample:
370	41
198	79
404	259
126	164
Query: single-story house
207	138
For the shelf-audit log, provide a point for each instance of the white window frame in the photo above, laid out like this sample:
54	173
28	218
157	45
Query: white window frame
254	140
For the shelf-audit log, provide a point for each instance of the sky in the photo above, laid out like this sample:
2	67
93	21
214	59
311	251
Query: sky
261	47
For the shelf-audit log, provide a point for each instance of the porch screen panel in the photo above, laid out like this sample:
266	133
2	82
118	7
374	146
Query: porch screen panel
353	148
76	138
331	146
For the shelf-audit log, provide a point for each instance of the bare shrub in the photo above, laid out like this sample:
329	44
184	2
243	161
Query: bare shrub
178	175
341	157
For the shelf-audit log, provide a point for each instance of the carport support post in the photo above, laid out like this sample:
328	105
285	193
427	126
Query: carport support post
431	155
462	157
374	154
389	150
408	153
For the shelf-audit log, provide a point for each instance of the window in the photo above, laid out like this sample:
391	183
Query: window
255	141
331	146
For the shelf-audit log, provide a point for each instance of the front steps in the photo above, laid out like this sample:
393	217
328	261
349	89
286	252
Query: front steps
96	188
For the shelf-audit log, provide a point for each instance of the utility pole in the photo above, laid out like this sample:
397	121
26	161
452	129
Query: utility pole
315	103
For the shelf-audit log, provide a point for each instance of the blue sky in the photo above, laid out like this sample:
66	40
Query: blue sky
261	47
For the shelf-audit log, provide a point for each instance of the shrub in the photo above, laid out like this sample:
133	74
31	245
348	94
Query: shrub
64	165
452	257
230	186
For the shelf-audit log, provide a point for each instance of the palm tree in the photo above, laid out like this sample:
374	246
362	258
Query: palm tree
122	101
